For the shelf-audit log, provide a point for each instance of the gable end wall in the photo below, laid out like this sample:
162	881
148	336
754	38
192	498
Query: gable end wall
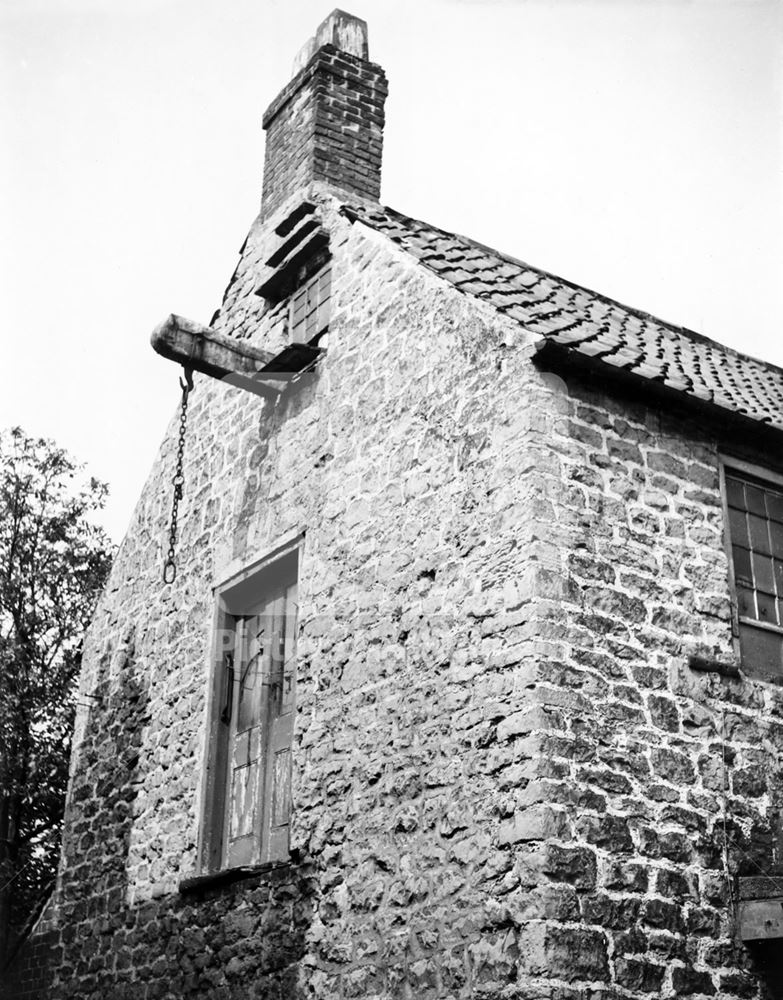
406	461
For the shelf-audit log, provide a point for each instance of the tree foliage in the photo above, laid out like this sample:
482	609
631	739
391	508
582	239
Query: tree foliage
53	564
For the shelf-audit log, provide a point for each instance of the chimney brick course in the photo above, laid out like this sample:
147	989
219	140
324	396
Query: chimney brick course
326	125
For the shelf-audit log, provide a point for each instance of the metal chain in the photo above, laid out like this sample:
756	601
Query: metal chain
170	567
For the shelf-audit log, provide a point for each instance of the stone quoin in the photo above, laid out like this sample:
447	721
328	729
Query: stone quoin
468	680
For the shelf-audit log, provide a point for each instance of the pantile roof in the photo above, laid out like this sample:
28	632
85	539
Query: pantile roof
587	324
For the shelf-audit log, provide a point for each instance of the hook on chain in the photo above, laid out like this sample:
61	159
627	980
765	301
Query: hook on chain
170	566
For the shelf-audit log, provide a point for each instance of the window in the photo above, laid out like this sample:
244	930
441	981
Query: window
253	708
298	283
754	514
309	307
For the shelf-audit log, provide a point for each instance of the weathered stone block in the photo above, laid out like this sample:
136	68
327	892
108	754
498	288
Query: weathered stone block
664	713
606	831
673	766
623	875
571	953
737	984
674	884
574	865
534	823
547	902
686	981
636	974
663	914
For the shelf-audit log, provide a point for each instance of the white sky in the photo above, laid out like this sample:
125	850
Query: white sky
633	146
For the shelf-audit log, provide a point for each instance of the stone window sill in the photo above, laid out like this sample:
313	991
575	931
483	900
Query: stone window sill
227	876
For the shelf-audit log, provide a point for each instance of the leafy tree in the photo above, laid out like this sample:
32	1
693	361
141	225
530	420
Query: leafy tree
53	564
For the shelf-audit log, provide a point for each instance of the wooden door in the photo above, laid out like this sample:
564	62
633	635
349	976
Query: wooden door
259	757
246	743
277	777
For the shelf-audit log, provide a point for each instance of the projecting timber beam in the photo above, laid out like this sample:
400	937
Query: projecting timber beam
236	362
205	350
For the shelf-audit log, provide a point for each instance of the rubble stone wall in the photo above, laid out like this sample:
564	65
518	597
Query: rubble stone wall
651	767
405	461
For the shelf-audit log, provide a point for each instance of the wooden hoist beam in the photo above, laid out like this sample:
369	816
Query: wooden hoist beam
236	362
201	349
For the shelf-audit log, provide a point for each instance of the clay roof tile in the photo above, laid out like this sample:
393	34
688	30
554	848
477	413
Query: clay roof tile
586	323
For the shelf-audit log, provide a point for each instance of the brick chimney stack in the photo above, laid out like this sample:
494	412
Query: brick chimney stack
327	124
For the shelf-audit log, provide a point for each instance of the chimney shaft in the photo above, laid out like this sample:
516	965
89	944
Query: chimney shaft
327	124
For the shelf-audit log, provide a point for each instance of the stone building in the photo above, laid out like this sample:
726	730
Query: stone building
467	681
